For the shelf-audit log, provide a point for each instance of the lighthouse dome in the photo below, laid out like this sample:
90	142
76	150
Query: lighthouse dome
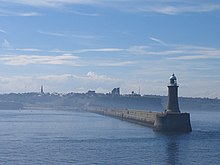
173	80
173	77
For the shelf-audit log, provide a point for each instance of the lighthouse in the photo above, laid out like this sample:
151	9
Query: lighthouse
172	120
172	103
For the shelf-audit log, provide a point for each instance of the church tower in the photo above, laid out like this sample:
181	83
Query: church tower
172	103
42	89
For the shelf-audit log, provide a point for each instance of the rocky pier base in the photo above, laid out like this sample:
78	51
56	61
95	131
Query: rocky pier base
172	122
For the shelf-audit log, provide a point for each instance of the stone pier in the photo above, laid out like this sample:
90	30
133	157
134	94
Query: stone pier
171	120
159	121
134	116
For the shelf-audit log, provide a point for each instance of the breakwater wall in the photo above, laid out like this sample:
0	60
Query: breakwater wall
135	116
159	121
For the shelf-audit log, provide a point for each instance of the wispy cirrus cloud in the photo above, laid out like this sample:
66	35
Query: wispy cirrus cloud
28	49
166	51
69	34
51	3
66	59
58	34
18	13
98	50
167	7
198	54
151	6
85	13
146	50
196	8
110	49
157	40
175	51
103	62
10	48
28	14
3	31
192	52
22	60
116	63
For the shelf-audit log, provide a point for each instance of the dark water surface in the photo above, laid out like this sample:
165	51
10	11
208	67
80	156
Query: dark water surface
65	137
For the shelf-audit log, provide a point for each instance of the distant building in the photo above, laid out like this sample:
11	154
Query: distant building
116	92
91	93
42	89
134	94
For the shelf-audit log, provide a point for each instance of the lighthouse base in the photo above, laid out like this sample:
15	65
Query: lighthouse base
172	122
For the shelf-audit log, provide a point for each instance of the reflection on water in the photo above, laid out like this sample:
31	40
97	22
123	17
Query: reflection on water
174	147
172	151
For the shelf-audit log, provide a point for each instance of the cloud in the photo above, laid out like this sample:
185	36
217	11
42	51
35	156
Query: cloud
21	14
3	31
196	53
28	14
51	3
151	6
166	52
68	35
15	83
28	49
52	83
116	63
21	60
53	34
67	58
157	40
56	78
138	49
89	77
151	51
65	82
6	44
85	14
168	7
103	62
88	50
175	51
92	76
98	50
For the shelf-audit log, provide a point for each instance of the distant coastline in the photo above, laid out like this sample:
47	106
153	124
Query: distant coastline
81	101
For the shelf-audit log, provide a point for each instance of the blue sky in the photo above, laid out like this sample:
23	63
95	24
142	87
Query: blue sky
81	45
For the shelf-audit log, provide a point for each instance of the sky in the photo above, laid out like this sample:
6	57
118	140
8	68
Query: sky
81	45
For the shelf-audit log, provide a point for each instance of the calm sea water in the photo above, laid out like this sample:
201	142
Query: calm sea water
65	137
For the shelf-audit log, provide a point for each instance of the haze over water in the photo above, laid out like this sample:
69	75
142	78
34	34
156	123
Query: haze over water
66	137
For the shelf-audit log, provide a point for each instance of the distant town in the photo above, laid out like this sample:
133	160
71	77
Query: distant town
114	99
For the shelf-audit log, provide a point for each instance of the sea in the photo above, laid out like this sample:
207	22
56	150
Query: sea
61	137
